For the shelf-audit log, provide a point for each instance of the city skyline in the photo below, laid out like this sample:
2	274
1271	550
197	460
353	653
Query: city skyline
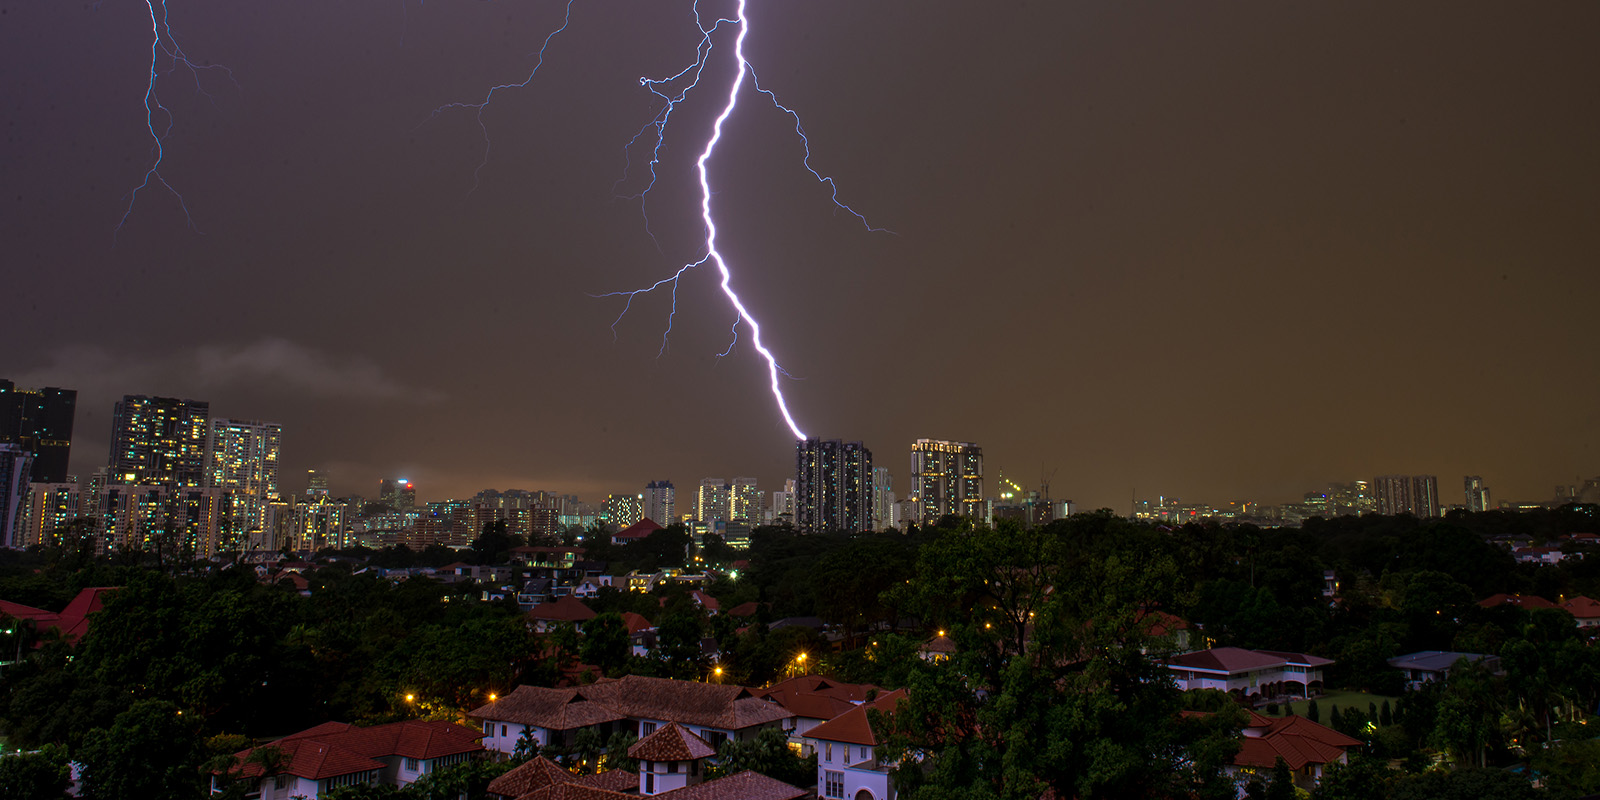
1213	252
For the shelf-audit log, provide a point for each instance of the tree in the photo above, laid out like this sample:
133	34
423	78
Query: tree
1359	778
151	750
767	753
34	776
605	641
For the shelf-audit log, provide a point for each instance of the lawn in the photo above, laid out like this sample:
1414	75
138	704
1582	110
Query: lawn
1341	699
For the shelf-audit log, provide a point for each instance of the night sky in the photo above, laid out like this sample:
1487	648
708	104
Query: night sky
1221	251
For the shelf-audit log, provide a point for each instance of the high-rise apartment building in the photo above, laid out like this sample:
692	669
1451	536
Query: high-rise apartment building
660	502
16	463
947	478
1417	495
833	486
1477	493
623	510
40	421
51	506
242	459
711	502
883	509
316	483
159	441
744	500
781	512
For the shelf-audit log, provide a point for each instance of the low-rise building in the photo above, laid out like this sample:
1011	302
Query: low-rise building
316	761
1429	666
849	764
1250	674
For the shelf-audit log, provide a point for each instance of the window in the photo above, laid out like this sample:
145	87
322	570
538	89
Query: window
832	783
672	767
488	729
864	755
280	782
649	783
827	750
411	764
646	728
502	730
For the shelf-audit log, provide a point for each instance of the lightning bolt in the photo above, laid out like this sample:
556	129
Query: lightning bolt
672	90
162	43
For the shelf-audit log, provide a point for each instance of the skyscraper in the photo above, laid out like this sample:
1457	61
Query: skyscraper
883	516
744	500
1477	493
159	441
711	502
16	462
40	421
623	510
833	486
660	502
947	478
242	460
1417	495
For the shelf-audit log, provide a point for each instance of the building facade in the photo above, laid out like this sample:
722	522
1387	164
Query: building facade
242	458
833	486
947	478
159	441
660	502
16	464
1417	495
40	421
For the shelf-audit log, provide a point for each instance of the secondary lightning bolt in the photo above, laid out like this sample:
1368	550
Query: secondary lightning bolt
488	98
162	43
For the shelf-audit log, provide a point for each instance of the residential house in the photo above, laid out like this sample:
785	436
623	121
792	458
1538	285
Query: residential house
568	609
1526	602
1305	746
1250	674
1584	610
849	766
635	703
635	532
543	775
814	699
1429	666
939	648
318	760
705	601
669	759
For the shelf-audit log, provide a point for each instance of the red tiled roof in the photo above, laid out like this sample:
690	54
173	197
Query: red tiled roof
746	785
1525	601
707	705
745	609
635	622
637	530
1159	623
1297	740
1582	607
337	748
817	697
551	709
616	780
671	742
535	773
706	601
938	644
576	791
853	726
566	609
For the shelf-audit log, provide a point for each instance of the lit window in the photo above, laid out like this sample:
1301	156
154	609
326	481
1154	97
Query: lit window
832	784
